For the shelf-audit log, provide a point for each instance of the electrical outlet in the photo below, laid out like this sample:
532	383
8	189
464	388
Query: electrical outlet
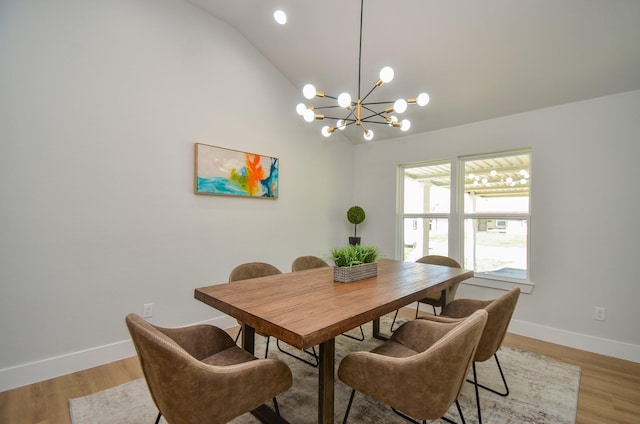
599	313
147	310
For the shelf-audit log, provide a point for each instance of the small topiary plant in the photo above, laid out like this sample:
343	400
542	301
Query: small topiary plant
355	215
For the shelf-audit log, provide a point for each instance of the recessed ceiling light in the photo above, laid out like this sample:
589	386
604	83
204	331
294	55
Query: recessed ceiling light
280	17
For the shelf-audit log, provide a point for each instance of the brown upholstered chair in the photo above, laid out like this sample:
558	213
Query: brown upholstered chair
307	262
437	300
261	269
302	263
253	270
428	360
500	312
197	374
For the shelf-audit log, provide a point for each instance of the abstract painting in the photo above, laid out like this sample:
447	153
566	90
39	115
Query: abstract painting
227	172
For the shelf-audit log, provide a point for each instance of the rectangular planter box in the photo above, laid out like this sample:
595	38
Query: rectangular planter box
347	274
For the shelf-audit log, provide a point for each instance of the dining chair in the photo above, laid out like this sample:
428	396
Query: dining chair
198	374
500	312
439	299
253	270
262	269
428	360
302	263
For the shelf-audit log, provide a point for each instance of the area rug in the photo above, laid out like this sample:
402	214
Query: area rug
543	391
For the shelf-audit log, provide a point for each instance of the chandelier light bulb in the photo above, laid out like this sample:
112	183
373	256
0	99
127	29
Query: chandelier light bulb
393	119
400	105
344	100
308	115
280	17
405	124
341	124
422	99
301	108
325	131
309	91
368	135
386	74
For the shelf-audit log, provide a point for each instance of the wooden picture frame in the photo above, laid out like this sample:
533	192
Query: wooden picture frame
227	172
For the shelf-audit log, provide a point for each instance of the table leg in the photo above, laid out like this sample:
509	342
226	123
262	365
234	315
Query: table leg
376	330
326	379
248	338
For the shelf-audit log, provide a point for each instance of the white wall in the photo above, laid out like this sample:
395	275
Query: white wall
584	225
100	105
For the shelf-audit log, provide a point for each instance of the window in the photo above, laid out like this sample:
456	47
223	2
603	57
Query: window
426	209
481	217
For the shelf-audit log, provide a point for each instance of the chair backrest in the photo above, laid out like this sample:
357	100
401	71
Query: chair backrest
456	352
431	379
445	261
252	270
307	262
164	363
439	260
500	312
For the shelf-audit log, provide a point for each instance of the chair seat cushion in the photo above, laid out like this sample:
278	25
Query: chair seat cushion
394	350
230	356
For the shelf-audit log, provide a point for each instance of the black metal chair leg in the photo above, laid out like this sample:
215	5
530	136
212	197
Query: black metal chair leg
360	339
394	321
478	385
158	417
238	336
275	406
312	353
504	381
346	413
475	384
266	350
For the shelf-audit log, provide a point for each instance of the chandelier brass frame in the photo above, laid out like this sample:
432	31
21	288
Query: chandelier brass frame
360	111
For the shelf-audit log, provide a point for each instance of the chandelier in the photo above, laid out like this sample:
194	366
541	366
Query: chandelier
360	112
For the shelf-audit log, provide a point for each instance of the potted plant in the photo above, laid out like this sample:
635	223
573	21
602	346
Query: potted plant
354	262
355	215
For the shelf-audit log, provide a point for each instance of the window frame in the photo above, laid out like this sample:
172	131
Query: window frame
457	216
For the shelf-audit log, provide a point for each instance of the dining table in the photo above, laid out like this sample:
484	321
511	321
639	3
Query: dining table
308	308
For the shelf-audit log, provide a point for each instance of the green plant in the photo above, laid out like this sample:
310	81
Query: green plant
355	215
354	255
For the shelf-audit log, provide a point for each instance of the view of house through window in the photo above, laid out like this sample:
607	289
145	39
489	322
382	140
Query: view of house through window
491	233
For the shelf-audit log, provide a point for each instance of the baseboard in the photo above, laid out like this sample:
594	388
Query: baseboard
45	369
32	372
616	349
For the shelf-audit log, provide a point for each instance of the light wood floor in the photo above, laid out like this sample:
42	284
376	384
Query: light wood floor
609	387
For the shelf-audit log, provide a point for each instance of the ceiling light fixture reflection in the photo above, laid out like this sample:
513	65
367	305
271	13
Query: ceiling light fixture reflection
360	111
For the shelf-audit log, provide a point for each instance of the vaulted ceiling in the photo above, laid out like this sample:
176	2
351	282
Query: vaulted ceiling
476	59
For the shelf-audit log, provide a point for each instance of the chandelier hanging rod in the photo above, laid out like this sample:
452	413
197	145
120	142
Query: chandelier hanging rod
355	108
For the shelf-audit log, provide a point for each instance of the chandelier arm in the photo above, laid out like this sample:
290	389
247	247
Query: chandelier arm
370	91
328	107
374	113
375	122
350	121
378	103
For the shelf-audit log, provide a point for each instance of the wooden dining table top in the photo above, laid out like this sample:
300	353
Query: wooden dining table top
306	308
